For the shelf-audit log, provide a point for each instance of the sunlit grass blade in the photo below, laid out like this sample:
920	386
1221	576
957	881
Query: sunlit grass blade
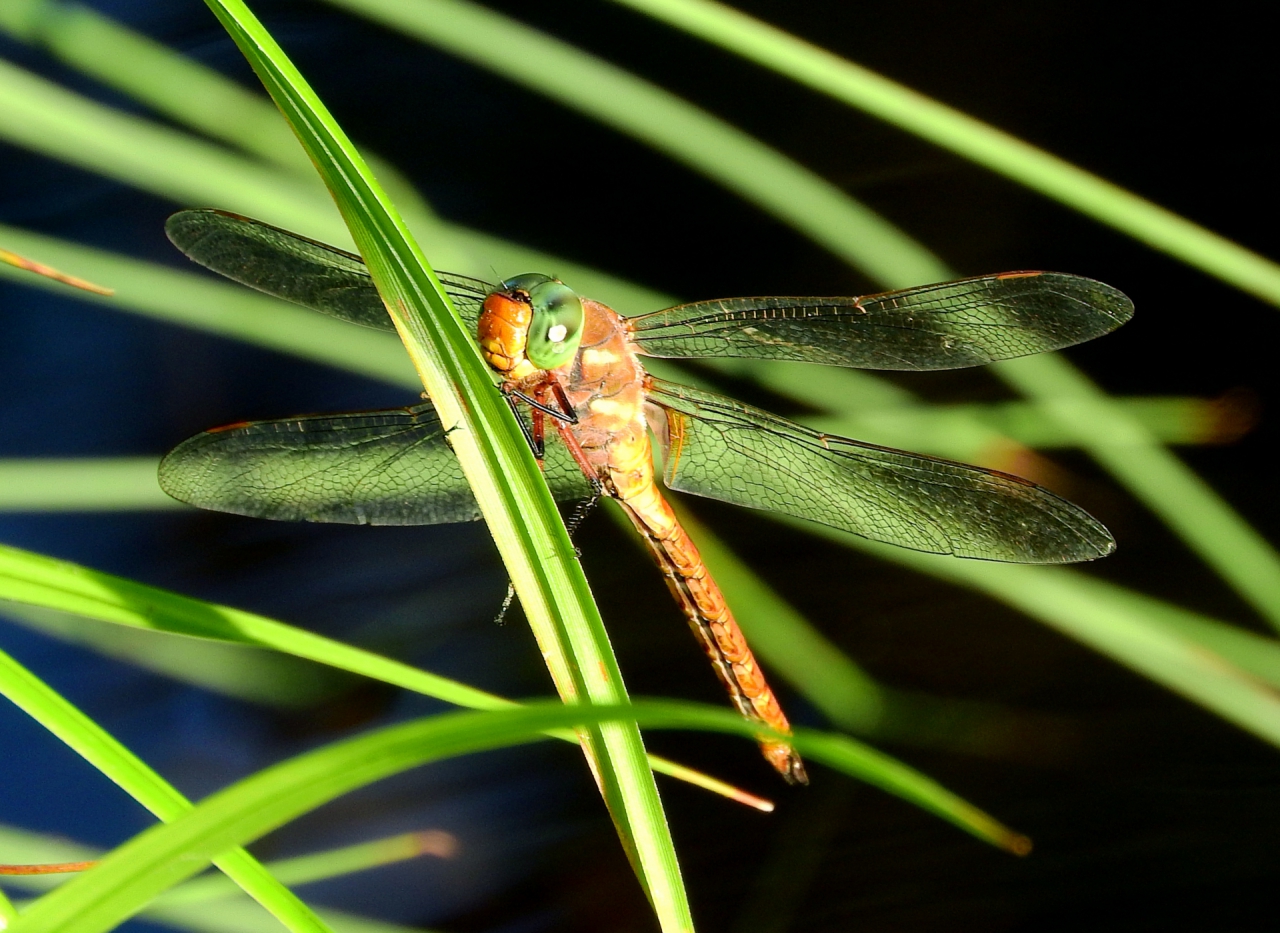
775	184
320	866
121	766
30	847
159	858
8	913
497	462
675	127
196	301
1102	616
183	89
174	85
972	139
229	310
55	484
36	582
187	906
44	117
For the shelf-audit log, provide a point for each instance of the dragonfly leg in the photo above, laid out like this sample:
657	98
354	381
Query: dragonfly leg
569	416
534	442
579	455
538	405
501	617
583	508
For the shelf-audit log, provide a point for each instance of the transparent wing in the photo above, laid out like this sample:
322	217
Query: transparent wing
378	468
297	269
947	326
722	449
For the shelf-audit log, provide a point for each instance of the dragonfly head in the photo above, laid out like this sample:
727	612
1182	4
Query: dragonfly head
530	317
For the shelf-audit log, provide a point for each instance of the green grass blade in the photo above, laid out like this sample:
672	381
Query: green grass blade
56	484
159	858
244	672
39	582
225	309
44	117
320	866
8	913
972	139
184	90
675	127
1102	616
178	87
1198	515
186	907
144	287
87	739
497	462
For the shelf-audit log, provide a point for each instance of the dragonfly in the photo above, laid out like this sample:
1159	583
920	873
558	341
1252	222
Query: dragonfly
572	364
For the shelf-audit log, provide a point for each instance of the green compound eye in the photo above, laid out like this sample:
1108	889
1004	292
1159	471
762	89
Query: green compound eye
556	328
526	282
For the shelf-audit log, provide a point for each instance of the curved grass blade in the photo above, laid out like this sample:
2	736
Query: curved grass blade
1170	488
183	89
602	286
972	139
195	301
38	114
1201	518
187	906
157	859
40	581
1166	644
657	118
102	751
496	461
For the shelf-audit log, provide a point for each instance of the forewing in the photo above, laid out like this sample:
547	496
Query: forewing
725	450
298	269
948	326
378	468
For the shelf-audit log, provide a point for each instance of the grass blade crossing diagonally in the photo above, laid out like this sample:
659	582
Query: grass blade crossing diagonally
119	764
512	496
49	583
972	139
158	859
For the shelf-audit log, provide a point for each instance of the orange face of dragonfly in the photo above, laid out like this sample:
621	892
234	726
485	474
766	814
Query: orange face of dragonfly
577	362
530	323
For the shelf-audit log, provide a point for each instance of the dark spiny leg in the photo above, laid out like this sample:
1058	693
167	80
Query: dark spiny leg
583	508
537	405
524	428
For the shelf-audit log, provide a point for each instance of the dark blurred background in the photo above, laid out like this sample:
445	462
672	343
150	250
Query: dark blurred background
1147	812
